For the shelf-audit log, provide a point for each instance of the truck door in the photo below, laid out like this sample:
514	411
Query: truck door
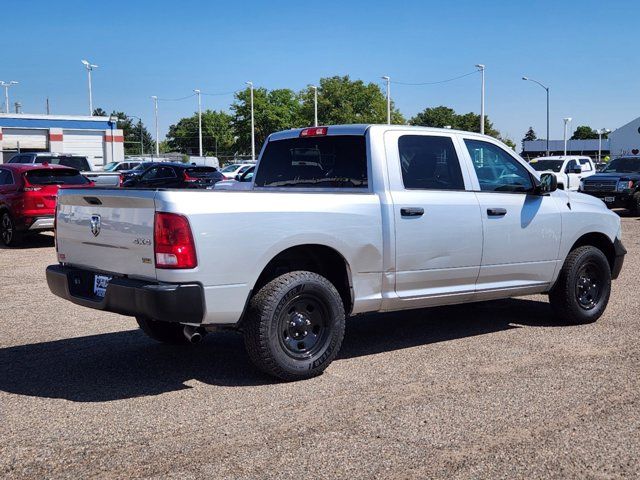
521	230
438	230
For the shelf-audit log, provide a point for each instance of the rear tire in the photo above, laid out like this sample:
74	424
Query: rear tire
582	290
294	326
164	332
9	236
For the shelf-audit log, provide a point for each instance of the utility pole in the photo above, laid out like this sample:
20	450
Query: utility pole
388	80
315	105
197	92
6	86
253	134
566	122
481	67
547	90
155	102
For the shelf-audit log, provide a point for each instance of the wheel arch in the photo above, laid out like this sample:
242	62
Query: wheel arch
318	258
599	240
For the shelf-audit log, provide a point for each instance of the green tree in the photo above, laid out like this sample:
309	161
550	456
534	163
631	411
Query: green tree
584	132
344	101
530	135
98	112
273	111
440	117
217	134
133	132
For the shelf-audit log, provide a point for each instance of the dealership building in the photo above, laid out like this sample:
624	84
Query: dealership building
97	138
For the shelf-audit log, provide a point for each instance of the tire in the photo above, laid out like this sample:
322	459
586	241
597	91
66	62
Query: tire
9	236
635	204
164	332
582	290
294	326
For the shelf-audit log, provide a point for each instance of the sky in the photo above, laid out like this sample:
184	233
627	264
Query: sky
585	51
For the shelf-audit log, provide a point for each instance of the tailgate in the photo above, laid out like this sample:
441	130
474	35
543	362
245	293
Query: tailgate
107	230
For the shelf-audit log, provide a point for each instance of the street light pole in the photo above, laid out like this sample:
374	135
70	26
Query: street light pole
6	86
199	120
601	132
388	80
481	67
89	66
566	122
253	133
547	90
315	105
155	102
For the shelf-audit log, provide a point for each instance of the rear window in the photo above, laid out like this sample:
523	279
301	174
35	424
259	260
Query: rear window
201	172
338	161
55	177
79	163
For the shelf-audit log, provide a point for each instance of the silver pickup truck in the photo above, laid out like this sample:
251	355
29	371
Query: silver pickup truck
339	221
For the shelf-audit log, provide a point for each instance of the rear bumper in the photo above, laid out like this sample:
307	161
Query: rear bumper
618	260
42	223
182	303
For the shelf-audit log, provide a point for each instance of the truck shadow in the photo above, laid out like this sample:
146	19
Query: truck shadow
120	365
33	240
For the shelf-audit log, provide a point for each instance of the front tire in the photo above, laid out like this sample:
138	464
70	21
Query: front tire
164	332
294	326
582	290
9	236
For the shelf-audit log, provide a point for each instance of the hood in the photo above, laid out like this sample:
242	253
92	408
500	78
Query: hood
585	199
613	176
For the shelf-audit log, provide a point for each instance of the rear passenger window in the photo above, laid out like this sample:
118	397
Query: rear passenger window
429	163
6	178
335	161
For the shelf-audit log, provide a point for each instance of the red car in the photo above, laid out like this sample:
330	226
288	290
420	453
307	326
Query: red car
28	195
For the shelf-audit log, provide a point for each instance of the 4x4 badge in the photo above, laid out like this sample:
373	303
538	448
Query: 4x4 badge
95	225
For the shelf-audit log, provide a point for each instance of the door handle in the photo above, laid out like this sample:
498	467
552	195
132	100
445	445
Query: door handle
412	212
496	212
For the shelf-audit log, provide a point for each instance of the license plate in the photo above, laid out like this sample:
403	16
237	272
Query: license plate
609	199
100	285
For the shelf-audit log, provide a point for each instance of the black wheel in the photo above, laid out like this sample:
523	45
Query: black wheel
582	290
635	204
165	332
294	326
8	234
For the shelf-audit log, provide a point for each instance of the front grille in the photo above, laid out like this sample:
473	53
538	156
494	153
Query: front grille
600	185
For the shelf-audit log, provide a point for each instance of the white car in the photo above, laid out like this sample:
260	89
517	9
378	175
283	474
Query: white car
230	171
339	221
569	169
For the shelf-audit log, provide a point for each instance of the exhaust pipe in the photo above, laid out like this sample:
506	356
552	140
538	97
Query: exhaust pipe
193	334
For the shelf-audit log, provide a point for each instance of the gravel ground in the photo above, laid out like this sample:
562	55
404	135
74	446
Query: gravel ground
492	390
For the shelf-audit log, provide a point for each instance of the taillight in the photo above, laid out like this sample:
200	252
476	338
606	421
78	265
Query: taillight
28	187
313	132
173	241
55	226
188	178
121	181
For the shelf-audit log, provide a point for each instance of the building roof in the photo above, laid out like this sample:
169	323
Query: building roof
79	122
558	145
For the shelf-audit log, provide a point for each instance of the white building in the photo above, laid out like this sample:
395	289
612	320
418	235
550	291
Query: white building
626	139
97	138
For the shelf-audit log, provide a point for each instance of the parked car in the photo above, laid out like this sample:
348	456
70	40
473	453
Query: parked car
340	220
174	175
28	197
569	169
617	185
79	162
120	166
241	182
230	171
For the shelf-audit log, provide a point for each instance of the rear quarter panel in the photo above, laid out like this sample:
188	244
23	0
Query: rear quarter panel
238	233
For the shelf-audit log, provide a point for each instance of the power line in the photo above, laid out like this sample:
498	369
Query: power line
439	81
176	99
220	94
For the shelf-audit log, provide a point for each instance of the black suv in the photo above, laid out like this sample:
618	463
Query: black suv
79	162
617	184
173	175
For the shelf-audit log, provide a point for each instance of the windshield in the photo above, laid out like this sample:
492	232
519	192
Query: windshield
230	168
55	177
623	165
545	165
202	172
142	166
111	166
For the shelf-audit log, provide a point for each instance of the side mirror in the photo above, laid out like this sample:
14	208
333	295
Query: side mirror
548	183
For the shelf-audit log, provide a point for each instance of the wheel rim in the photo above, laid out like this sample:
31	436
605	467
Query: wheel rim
589	286
303	326
7	229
